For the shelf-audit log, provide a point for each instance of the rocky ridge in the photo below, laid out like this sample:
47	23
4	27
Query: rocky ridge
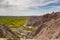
46	26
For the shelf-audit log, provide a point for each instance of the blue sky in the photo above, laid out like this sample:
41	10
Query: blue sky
28	7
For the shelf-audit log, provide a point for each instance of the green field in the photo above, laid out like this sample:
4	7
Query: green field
13	22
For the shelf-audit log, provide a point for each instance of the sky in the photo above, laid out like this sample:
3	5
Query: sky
28	7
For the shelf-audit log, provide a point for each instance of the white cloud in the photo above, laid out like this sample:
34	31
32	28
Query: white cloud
28	3
12	7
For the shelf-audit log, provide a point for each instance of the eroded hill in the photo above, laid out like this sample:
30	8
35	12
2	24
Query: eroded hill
46	26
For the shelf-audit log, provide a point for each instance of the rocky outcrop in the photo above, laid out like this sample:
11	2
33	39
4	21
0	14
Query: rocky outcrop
36	20
50	30
6	32
46	26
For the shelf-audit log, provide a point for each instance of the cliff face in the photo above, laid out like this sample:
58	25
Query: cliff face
50	30
46	26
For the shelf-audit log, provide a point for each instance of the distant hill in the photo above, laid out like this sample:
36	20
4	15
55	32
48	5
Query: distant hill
46	26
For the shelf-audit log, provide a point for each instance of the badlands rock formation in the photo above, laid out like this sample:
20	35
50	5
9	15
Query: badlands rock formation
46	26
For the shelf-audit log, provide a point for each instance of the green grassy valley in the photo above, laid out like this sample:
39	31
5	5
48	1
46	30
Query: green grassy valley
13	22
